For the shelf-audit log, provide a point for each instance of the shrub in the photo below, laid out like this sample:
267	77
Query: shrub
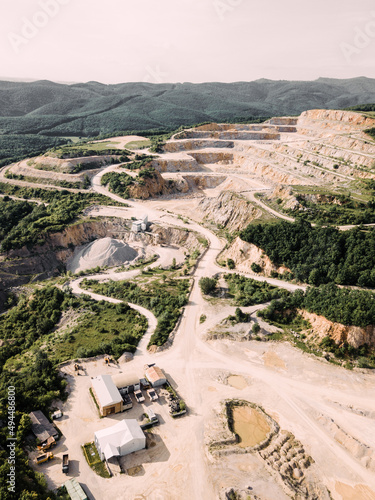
231	264
208	285
256	268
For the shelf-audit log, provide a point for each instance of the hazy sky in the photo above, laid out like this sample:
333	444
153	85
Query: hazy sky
116	41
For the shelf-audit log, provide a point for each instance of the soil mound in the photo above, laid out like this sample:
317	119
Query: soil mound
102	252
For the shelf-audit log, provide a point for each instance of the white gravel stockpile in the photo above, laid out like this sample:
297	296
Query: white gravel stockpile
104	252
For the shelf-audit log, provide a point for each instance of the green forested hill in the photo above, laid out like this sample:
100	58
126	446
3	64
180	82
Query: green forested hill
89	109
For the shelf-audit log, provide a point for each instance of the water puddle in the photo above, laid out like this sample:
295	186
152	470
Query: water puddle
251	425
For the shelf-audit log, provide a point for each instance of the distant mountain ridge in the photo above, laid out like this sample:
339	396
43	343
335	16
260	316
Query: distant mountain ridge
88	109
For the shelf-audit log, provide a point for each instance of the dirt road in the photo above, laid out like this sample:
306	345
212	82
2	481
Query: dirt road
296	390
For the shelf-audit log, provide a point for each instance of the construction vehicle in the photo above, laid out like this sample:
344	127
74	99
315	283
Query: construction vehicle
47	444
65	463
44	457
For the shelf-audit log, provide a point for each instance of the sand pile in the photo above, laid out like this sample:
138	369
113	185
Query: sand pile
103	252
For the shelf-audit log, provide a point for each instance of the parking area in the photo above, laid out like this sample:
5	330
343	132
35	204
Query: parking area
81	419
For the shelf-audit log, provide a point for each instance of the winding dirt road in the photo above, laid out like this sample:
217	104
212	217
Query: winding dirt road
306	386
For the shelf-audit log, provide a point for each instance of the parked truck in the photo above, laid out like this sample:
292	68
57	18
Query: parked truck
44	457
139	396
65	463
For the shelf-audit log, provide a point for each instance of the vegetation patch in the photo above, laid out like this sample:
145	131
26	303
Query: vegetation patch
339	305
104	329
318	255
36	382
29	224
247	292
17	147
80	150
341	209
138	144
164	299
119	183
93	459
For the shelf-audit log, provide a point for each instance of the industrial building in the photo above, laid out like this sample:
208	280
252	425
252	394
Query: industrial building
42	427
140	225
155	376
120	439
126	382
107	395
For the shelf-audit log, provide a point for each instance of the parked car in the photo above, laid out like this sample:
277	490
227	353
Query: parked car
151	415
139	396
152	394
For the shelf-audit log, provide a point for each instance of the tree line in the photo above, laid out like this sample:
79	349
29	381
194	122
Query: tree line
318	255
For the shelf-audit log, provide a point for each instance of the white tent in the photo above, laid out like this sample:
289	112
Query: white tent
120	439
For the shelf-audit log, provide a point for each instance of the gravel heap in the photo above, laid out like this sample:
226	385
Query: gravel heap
103	252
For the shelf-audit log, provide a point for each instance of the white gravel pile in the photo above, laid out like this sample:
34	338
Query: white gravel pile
103	252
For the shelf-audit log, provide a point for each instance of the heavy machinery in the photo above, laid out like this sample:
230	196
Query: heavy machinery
48	444
44	457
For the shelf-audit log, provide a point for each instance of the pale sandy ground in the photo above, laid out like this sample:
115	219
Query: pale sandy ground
290	385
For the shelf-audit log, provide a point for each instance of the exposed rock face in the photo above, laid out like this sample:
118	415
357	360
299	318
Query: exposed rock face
66	165
340	120
229	210
156	185
186	164
23	169
244	254
353	335
224	131
56	169
221	157
42	262
285	194
204	181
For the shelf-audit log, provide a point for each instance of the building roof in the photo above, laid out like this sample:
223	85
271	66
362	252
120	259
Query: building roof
105	390
125	379
74	489
154	373
42	427
113	438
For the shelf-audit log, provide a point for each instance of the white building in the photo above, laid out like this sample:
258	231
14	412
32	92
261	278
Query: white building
107	395
120	439
140	224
